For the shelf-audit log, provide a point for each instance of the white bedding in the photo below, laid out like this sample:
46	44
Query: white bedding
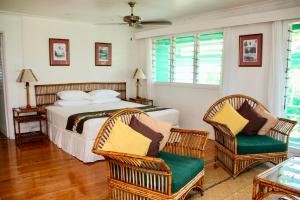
80	145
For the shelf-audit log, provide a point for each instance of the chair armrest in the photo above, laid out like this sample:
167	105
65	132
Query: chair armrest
135	160
223	135
186	142
281	131
145	172
222	128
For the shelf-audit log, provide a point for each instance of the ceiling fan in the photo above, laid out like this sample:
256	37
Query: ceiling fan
136	21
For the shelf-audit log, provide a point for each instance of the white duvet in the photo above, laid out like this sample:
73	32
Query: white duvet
80	145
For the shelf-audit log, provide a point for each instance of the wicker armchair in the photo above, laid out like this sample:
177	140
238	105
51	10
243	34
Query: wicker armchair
141	177
226	143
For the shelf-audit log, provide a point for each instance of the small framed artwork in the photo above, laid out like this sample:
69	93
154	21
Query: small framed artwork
250	50
103	54
59	51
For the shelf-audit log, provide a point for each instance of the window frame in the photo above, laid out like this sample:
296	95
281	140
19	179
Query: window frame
194	84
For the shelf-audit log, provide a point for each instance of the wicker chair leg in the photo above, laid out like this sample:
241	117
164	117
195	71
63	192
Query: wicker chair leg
216	157
199	186
235	169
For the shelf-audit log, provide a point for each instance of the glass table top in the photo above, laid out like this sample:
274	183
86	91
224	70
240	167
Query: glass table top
286	173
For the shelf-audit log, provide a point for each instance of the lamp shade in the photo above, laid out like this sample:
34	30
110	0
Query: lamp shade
139	74
26	75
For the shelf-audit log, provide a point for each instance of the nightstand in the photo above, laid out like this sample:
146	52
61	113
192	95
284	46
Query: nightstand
25	115
142	101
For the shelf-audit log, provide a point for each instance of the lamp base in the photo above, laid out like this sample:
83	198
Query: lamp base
138	89
27	96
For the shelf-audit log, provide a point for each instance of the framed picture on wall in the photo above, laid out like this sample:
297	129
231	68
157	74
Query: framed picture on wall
59	51
103	54
250	50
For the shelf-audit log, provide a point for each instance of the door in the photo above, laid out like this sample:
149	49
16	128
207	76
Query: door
2	95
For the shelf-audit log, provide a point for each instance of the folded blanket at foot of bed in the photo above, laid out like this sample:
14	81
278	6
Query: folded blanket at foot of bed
75	122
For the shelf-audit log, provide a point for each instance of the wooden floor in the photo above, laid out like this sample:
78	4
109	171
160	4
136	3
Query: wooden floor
43	171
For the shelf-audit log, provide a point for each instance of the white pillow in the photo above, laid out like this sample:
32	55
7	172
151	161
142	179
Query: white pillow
105	100
73	95
95	94
72	103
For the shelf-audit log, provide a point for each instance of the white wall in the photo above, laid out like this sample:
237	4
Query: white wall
193	101
251	81
26	42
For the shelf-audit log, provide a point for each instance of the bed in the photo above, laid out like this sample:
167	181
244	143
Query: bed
80	144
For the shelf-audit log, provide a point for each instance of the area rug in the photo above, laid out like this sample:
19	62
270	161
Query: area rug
239	188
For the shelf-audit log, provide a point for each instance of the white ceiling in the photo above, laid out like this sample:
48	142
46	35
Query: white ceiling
108	11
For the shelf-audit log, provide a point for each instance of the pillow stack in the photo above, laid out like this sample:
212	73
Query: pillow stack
104	96
271	120
124	139
143	136
245	120
256	121
229	116
80	98
72	98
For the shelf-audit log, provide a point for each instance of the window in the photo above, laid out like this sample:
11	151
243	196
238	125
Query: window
193	58
183	59
292	100
209	58
161	60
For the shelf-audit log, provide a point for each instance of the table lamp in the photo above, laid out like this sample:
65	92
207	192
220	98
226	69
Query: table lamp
138	74
26	75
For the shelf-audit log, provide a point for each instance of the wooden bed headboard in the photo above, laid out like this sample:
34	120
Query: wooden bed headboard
46	94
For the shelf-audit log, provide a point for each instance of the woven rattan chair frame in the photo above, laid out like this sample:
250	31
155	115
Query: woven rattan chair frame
226	144
140	177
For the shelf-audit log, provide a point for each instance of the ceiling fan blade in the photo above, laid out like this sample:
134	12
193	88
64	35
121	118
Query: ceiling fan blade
138	26
109	24
158	22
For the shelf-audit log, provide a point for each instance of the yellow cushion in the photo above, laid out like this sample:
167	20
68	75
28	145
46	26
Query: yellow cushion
229	116
124	139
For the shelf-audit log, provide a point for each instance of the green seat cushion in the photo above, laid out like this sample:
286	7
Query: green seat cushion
258	144
183	168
